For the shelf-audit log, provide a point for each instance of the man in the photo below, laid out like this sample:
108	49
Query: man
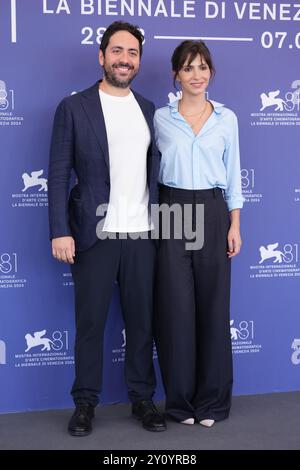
105	133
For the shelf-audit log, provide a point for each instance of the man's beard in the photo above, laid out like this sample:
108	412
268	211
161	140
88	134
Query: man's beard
111	78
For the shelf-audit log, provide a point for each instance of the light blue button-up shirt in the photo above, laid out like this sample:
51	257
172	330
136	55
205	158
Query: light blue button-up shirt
207	160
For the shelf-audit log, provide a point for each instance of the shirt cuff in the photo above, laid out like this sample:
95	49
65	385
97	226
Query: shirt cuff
234	202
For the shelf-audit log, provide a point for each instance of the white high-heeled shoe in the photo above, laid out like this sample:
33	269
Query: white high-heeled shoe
208	423
188	421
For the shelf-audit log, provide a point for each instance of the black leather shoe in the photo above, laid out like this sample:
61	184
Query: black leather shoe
151	418
81	421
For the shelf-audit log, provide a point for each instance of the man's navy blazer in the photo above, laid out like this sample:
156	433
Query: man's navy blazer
79	142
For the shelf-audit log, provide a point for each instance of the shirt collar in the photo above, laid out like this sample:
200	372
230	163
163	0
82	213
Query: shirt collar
218	107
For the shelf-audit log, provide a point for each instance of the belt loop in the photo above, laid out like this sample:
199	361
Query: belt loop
170	196
215	192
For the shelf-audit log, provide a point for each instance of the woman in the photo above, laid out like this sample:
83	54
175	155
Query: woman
200	165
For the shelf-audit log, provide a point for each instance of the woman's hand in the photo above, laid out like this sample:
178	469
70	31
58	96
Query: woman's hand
234	240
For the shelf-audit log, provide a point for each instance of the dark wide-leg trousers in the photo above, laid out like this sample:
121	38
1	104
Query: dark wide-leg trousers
132	263
192	324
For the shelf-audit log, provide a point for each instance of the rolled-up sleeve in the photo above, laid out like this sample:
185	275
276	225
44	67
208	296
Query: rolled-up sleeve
233	192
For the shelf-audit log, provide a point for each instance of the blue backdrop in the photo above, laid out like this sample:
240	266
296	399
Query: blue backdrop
48	50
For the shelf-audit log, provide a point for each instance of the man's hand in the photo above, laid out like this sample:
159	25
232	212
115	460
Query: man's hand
63	249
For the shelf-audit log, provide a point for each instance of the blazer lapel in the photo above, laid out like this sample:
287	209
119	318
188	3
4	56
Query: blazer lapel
146	112
92	105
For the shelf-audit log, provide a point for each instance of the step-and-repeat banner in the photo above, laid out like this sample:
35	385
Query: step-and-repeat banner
48	50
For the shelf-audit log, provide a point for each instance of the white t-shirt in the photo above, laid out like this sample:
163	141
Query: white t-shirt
128	138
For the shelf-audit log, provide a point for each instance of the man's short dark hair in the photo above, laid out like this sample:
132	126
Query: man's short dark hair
121	26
